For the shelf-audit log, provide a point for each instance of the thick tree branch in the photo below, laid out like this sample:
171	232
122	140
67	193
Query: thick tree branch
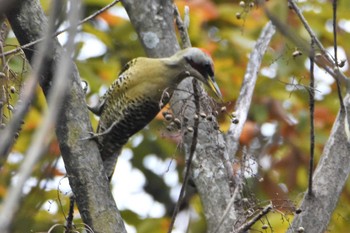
333	169
328	180
82	160
247	89
40	140
155	28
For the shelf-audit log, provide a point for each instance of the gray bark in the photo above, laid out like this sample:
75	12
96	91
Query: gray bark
247	90
82	160
328	181
210	168
154	23
333	169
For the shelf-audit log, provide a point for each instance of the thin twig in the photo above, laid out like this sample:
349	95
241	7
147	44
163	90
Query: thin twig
307	26
8	134
335	45
325	61
227	210
337	75
3	83
190	157
256	218
69	220
186	42
312	111
302	45
59	198
324	52
335	31
185	39
90	17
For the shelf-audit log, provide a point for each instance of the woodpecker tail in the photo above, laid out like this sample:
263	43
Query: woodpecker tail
109	164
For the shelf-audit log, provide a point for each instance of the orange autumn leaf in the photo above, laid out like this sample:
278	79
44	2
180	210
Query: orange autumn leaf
323	117
250	130
3	191
204	8
54	148
57	172
111	20
105	75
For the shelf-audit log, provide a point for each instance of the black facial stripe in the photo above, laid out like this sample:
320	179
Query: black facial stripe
209	69
205	70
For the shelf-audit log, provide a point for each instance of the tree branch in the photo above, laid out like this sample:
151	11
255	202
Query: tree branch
55	34
328	180
333	169
312	119
185	39
155	28
325	61
247	89
256	218
82	160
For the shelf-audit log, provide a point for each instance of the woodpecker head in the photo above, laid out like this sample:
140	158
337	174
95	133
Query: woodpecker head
200	66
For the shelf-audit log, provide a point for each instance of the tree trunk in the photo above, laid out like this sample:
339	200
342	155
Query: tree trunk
82	159
154	23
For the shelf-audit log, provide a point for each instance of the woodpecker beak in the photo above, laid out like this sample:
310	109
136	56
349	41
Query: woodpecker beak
214	86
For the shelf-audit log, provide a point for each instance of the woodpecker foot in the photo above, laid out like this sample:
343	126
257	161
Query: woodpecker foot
91	136
96	135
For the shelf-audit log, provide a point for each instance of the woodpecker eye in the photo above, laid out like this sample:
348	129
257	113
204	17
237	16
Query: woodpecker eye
209	69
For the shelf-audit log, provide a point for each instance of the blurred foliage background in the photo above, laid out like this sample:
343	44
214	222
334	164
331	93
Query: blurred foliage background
275	140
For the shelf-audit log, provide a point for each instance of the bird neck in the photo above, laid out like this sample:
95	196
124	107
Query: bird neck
176	65
175	60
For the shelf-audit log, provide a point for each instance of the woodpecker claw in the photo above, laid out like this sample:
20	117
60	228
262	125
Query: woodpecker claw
92	135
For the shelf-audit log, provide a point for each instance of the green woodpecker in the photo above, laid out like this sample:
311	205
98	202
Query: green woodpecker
134	98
